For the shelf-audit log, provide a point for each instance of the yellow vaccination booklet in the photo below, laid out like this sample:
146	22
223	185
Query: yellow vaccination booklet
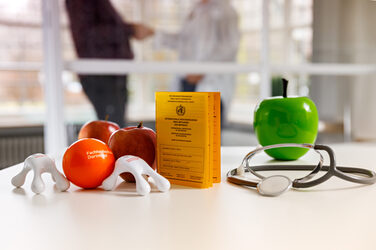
189	137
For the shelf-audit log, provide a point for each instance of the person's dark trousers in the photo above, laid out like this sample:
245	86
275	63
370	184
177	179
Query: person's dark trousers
108	94
185	86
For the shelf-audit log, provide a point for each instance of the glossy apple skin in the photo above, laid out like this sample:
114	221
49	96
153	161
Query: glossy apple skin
286	120
137	141
101	130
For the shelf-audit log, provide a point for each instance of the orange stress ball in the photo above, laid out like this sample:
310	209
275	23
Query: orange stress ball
87	162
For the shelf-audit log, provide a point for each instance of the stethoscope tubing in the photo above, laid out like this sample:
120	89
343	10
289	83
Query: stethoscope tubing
371	175
314	171
368	176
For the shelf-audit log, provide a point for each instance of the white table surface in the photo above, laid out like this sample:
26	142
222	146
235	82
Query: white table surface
334	215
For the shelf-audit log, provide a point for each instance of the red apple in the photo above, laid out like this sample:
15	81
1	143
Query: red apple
101	130
138	141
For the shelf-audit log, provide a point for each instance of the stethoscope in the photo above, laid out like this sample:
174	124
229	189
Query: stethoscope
278	184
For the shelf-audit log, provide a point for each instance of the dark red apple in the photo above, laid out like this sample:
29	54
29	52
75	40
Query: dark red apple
138	141
101	130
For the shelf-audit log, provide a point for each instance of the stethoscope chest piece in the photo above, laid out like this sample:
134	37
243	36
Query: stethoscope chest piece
274	185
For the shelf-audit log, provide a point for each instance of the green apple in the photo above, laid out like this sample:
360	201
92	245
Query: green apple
285	119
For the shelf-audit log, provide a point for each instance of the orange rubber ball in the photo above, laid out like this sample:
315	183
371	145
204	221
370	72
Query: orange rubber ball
87	162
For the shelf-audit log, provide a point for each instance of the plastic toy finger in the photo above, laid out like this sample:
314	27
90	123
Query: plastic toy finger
40	163
137	167
142	186
37	185
162	183
19	179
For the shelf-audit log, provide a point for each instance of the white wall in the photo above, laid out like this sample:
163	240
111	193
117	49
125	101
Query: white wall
344	32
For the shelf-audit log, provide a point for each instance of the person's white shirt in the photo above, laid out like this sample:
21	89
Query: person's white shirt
210	33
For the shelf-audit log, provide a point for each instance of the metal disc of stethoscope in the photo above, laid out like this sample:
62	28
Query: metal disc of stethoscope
274	185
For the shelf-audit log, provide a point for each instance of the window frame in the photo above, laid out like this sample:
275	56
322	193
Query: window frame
53	67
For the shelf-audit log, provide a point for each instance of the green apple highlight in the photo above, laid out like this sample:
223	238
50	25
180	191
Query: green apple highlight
286	120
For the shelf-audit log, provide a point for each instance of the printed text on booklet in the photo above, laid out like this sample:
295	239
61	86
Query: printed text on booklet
188	137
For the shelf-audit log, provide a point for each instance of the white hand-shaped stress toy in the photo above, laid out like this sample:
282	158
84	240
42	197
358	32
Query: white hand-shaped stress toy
40	163
137	167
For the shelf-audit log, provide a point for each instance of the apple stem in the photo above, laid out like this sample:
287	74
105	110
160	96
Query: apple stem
106	118
285	83
140	125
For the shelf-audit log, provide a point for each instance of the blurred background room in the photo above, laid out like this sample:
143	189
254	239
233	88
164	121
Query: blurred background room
327	50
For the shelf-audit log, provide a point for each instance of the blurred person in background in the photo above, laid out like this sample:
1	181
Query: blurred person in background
210	33
98	31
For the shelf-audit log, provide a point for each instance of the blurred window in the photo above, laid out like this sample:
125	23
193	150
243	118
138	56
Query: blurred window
21	96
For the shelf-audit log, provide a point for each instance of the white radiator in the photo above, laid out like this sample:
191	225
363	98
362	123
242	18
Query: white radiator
14	149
